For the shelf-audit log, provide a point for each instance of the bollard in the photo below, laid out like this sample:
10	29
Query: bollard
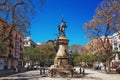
80	70
100	68
51	72
83	71
40	71
71	73
43	70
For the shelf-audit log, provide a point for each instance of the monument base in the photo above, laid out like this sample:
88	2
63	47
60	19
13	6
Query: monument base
61	71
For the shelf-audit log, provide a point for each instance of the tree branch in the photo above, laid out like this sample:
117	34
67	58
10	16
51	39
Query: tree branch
3	3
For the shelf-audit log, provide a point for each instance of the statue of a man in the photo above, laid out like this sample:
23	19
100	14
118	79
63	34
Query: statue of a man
61	28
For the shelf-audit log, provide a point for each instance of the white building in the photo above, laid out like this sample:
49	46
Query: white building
116	45
116	42
29	42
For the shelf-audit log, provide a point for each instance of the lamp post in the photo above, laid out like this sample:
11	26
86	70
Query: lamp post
70	57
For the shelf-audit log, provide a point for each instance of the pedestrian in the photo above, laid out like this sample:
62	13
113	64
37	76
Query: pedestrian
101	65
16	70
40	71
83	71
80	70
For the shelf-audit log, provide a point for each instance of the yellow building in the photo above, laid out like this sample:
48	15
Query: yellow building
12	56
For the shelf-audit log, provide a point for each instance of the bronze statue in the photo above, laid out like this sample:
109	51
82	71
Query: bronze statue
61	28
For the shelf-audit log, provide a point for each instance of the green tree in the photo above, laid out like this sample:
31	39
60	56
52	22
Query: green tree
87	58
33	54
76	50
48	52
100	58
43	53
90	58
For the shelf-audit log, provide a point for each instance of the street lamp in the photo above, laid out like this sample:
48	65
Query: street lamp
70	57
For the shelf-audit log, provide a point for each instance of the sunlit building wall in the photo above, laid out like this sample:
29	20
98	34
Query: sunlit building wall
12	56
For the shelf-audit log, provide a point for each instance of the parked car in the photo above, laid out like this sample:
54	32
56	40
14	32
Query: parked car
116	64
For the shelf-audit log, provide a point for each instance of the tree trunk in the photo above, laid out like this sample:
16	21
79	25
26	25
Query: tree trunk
109	69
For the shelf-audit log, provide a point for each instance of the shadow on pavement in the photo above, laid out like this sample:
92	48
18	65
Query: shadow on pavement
11	73
17	79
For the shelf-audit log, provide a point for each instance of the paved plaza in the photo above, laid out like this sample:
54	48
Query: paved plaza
35	75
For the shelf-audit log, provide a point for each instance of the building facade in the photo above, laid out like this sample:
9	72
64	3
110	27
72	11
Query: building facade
14	45
97	46
113	42
116	42
29	42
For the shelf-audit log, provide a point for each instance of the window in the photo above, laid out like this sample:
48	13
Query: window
115	44
114	38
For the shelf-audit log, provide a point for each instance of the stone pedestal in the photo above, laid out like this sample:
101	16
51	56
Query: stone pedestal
62	55
61	65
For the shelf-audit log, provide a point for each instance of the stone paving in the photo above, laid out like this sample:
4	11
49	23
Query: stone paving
90	75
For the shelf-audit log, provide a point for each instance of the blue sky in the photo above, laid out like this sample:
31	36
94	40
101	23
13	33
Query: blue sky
76	13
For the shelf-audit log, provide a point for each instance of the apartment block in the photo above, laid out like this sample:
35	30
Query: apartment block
11	58
29	42
116	42
97	45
